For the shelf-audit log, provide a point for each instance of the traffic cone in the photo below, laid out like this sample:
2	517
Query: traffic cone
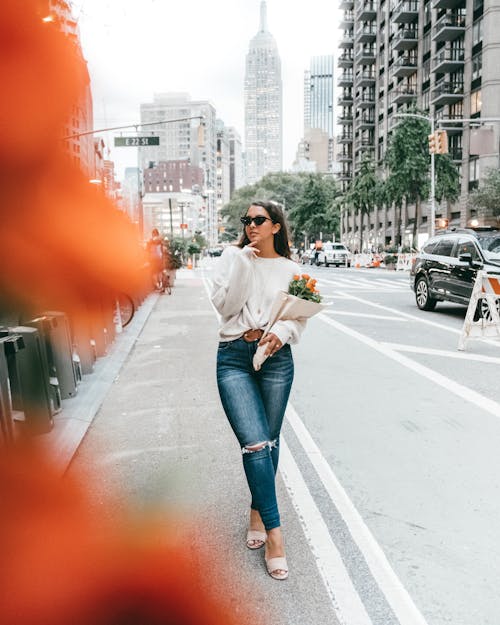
190	264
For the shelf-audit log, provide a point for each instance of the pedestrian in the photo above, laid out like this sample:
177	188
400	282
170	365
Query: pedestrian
246	281
156	255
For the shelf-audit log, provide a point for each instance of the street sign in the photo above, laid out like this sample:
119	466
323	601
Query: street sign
136	141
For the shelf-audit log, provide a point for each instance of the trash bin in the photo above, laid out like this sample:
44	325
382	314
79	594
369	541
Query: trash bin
84	341
9	346
66	361
35	392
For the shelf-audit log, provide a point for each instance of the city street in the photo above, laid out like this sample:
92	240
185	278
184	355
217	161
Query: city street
389	463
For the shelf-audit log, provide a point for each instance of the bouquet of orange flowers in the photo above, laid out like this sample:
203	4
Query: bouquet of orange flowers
304	287
301	302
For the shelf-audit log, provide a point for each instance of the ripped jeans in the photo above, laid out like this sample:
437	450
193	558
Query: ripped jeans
254	403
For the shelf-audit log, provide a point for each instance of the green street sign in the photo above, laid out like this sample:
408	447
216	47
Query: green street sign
136	142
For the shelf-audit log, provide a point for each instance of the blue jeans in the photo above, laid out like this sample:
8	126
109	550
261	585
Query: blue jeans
254	403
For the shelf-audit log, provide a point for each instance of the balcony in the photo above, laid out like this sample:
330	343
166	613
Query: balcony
345	137
456	154
346	59
346	5
404	94
347	22
345	119
365	122
365	78
449	60
344	157
366	100
447	93
449	28
367	11
366	34
405	66
347	40
345	79
405	39
366	55
345	99
406	12
448	4
345	176
363	145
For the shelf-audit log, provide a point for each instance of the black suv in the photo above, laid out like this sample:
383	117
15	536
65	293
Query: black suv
447	265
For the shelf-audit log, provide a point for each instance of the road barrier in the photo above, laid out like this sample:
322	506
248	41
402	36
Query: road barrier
482	318
404	262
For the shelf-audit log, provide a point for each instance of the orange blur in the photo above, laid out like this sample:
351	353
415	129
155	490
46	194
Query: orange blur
62	564
62	243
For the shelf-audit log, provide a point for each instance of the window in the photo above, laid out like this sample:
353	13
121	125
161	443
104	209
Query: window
428	247
465	246
473	169
477	65
444	247
475	102
477	31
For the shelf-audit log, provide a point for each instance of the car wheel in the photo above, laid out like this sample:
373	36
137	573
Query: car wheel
422	296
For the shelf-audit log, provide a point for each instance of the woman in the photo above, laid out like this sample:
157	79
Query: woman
248	277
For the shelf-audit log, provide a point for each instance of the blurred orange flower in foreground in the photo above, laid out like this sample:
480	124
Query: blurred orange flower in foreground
63	565
62	242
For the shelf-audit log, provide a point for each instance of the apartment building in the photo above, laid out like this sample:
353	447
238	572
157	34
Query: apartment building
440	55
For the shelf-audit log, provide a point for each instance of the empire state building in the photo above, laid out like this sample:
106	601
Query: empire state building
263	104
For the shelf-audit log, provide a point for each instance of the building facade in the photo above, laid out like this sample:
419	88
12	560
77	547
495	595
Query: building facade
168	176
438	55
319	104
236	173
180	140
263	104
223	193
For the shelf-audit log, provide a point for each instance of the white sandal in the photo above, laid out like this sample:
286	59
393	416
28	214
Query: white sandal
256	539
277	568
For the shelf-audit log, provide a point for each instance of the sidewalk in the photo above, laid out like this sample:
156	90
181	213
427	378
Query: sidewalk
154	430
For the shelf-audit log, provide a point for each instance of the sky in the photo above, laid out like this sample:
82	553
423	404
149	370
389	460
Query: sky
136	48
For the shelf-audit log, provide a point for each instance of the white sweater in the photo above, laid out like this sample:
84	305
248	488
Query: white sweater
243	292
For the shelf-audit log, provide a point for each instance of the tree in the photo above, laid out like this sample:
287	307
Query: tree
362	192
487	196
408	161
315	211
306	198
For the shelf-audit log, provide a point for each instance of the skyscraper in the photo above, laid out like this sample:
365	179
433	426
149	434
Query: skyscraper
318	100
263	104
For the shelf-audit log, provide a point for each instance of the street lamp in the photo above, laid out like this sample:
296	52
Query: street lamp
432	199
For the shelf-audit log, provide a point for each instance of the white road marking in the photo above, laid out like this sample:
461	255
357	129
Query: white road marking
400	313
459	390
345	600
442	352
396	594
367	315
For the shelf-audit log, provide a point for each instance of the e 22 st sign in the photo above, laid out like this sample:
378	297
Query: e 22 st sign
136	142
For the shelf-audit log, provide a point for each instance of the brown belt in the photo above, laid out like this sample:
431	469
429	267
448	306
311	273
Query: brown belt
252	335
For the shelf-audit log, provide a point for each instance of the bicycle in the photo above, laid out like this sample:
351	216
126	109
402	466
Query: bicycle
126	308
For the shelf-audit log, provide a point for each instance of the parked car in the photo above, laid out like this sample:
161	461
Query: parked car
334	254
446	267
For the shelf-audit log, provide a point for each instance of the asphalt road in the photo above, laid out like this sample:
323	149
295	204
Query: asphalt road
410	428
389	464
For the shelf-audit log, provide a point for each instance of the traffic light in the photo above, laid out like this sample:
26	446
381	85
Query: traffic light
432	143
442	142
201	135
441	223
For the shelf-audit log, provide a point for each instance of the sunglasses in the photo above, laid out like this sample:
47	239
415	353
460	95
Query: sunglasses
258	221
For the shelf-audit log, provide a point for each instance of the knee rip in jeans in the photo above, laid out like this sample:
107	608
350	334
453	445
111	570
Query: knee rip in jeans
251	449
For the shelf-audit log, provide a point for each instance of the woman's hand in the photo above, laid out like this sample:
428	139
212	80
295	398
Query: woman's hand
273	344
251	250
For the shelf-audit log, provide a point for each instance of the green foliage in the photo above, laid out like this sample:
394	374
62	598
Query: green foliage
193	248
363	192
304	288
447	179
487	196
308	200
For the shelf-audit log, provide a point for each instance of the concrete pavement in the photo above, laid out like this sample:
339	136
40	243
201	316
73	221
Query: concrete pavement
148	423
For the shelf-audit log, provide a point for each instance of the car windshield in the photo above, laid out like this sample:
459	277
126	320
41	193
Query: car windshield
491	247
